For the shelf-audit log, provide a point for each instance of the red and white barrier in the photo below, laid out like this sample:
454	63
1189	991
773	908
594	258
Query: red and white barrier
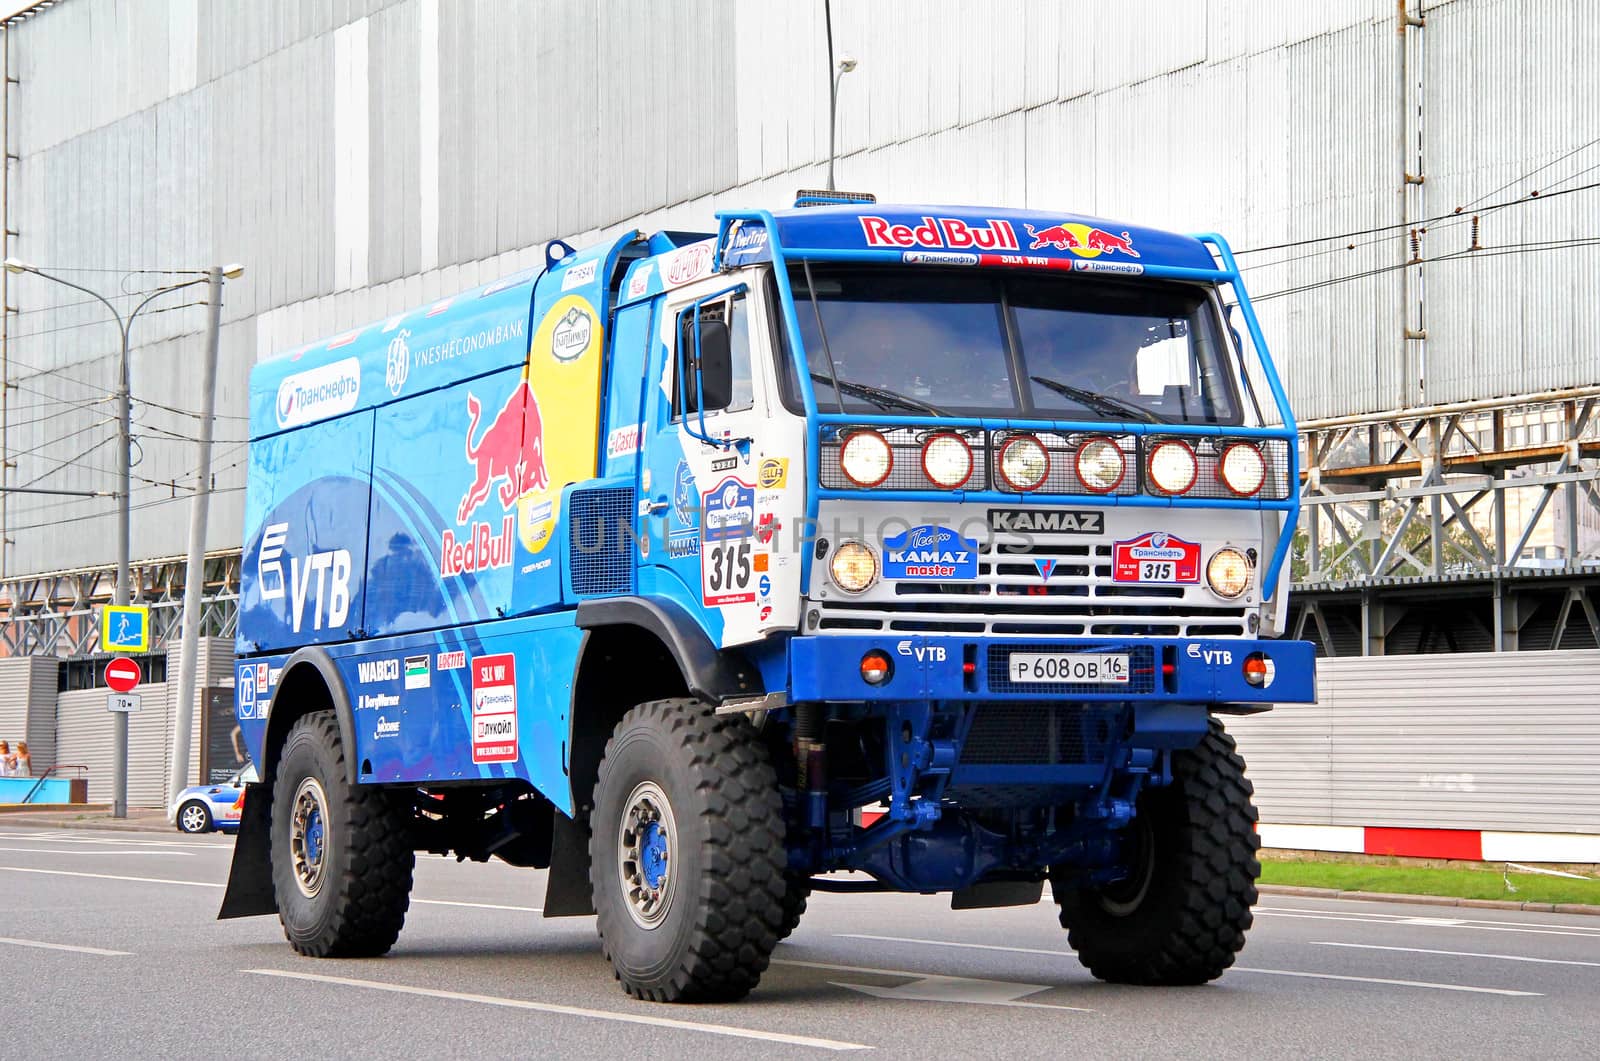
1469	844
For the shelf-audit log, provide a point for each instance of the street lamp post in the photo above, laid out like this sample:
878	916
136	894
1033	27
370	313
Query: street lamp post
119	782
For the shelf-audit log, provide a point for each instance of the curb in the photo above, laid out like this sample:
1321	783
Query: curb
1429	900
49	820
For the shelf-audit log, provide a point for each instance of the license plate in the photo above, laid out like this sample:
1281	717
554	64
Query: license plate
1109	669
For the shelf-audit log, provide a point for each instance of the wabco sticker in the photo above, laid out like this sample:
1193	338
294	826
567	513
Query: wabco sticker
1155	557
773	473
417	673
729	512
371	671
494	709
929	552
578	276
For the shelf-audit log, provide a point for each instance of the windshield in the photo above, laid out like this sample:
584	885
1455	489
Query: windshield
929	342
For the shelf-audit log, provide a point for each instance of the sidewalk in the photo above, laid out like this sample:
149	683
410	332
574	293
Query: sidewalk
87	816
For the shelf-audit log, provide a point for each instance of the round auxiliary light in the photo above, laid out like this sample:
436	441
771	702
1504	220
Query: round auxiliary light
1173	467
1242	469
1100	465
1228	572
1024	463
854	567
876	667
947	460
866	458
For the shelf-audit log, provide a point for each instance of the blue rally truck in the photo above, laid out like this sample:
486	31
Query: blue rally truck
853	547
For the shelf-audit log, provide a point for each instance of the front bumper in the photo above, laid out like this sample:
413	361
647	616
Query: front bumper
1177	670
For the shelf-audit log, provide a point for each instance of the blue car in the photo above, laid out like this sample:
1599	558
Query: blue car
202	808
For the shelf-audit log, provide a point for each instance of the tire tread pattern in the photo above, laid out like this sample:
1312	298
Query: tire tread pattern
736	924
1199	937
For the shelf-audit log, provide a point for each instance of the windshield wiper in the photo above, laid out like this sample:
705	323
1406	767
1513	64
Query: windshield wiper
879	396
1100	403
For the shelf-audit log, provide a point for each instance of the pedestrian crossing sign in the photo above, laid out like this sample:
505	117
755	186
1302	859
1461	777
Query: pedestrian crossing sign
125	628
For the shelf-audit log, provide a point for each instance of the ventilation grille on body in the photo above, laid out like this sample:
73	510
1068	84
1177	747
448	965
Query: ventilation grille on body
600	550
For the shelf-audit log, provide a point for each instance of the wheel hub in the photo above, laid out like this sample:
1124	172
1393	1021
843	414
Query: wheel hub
308	846
193	818
647	838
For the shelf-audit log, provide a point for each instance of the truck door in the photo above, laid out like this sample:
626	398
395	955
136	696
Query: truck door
709	511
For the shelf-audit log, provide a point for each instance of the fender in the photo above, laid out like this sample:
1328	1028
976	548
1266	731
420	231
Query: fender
249	892
316	658
710	673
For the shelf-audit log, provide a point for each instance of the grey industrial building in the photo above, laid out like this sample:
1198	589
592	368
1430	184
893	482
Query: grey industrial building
1412	189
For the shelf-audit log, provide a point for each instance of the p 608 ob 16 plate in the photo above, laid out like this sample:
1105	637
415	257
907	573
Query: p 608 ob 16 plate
1101	668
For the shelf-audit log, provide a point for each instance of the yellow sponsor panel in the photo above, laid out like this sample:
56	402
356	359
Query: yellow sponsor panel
125	628
563	376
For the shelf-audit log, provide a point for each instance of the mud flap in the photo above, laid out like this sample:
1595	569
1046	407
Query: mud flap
989	894
567	892
250	878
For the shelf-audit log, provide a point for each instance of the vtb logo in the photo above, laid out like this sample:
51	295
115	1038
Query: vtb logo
326	572
510	451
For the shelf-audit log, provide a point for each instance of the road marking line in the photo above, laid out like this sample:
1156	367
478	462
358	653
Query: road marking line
56	851
67	838
569	1011
62	946
1386	918
478	906
1236	969
1480	926
1455	953
937	987
111	876
1391	983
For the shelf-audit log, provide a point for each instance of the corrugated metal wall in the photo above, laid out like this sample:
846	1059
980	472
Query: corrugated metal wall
1473	740
84	735
28	707
361	156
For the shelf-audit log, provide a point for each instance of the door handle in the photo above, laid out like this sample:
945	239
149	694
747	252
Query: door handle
652	508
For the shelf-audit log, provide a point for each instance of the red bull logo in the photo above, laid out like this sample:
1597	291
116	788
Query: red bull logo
510	451
1083	240
940	233
508	455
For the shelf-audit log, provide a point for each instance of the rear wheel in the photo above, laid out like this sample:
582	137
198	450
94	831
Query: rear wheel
1180	915
341	853
796	890
193	817
686	854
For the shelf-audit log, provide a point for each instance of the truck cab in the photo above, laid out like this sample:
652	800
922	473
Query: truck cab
846	547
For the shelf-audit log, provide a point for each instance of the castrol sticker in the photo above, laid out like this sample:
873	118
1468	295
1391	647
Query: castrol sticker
494	708
1155	556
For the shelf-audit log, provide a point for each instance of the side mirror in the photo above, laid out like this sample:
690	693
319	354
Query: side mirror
716	365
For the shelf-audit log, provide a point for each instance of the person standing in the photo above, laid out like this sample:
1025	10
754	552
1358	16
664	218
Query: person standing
24	760
8	761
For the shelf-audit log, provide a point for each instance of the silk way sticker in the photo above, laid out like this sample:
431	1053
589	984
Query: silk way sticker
929	552
494	708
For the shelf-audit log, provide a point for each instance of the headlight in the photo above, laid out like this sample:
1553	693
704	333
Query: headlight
866	458
1100	465
1024	464
947	460
1242	469
1228	572
1173	467
854	567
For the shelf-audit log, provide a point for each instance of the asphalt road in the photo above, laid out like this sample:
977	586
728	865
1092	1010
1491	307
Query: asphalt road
109	947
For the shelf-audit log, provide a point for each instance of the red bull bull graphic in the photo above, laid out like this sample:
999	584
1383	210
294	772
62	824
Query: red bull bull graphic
507	459
1083	240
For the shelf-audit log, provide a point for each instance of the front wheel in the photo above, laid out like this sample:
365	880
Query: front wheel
1180	915
686	854
341	853
193	817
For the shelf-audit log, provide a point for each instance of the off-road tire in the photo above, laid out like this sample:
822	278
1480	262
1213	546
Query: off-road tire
365	888
1182	916
716	934
796	890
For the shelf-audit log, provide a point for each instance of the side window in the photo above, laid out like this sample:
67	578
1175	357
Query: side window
727	314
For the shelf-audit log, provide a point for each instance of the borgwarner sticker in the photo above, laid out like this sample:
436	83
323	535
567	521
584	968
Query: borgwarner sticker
929	552
1155	556
318	393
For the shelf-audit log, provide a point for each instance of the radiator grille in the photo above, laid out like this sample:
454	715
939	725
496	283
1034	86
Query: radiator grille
1030	734
600	551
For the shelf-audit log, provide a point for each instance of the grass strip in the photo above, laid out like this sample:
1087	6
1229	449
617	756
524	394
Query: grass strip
1410	880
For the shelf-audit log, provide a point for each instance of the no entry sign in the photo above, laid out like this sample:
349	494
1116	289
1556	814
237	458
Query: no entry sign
123	674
